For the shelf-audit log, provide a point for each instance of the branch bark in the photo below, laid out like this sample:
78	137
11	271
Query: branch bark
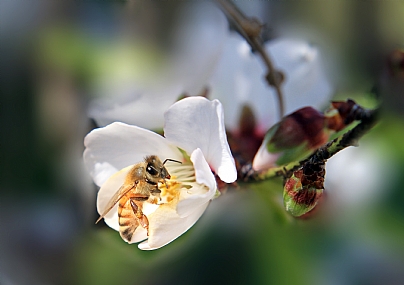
250	30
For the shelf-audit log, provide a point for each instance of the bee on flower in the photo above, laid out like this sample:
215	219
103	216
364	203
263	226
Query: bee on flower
194	135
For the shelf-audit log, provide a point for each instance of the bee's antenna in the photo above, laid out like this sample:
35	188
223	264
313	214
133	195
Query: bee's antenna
169	159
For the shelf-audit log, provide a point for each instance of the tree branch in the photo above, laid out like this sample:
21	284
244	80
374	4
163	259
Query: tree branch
367	118
250	30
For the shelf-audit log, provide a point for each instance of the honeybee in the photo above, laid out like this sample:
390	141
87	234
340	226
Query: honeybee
140	184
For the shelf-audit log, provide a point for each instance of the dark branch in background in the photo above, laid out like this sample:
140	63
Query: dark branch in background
367	119
250	29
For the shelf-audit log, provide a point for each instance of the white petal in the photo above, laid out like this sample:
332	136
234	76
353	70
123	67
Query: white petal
144	108
199	194
203	173
239	79
198	42
200	38
166	225
356	175
139	235
118	145
236	80
305	83
196	122
263	159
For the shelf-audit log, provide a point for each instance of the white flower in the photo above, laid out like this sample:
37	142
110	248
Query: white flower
239	80
194	125
231	73
130	96
355	176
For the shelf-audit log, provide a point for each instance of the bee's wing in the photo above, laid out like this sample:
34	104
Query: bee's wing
117	196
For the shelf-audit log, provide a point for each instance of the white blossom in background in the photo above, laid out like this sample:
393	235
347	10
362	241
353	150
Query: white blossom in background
240	80
130	95
194	125
356	176
208	55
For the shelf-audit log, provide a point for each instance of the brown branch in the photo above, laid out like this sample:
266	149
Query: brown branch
250	30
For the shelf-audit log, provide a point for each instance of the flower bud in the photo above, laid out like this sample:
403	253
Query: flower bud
294	138
341	114
304	188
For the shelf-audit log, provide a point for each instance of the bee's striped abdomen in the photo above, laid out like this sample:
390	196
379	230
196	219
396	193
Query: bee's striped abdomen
128	222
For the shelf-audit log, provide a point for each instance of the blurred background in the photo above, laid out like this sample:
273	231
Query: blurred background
55	55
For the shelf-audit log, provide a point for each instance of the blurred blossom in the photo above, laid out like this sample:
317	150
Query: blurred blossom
251	106
358	176
207	56
192	184
141	98
239	80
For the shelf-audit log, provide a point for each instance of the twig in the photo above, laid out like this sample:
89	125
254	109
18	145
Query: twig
250	29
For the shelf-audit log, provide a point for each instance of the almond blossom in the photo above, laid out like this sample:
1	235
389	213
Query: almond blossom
250	105
194	134
130	96
239	80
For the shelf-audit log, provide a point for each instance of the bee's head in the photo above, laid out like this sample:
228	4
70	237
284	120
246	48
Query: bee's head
155	169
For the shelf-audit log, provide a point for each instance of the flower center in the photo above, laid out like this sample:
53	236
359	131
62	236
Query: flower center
182	179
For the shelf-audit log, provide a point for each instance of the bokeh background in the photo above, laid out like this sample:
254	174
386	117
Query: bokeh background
55	54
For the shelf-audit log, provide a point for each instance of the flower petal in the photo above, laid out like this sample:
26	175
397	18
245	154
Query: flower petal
196	122
203	172
202	192
239	80
166	225
236	79
118	145
263	159
199	38
136	107
305	82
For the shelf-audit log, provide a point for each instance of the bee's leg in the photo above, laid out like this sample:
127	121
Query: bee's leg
137	209
156	192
